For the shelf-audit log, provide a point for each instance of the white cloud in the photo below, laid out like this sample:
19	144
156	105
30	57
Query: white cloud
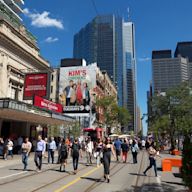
43	19
142	59
51	39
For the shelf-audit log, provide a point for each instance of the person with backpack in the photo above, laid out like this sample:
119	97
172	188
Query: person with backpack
75	152
134	150
125	149
63	154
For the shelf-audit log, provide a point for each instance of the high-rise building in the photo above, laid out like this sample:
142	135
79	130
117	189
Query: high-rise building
168	72
109	41
184	49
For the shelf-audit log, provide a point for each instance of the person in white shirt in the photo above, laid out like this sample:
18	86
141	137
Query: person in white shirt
89	151
51	149
26	148
143	143
9	148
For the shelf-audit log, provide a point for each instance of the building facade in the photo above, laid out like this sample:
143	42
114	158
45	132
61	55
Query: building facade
19	55
168	72
110	42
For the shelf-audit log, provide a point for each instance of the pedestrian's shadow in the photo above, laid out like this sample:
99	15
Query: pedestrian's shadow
137	174
98	180
21	169
67	172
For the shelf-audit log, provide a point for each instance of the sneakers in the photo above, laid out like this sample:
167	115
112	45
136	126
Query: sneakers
144	173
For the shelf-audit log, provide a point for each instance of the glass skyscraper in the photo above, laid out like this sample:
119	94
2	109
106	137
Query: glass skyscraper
109	41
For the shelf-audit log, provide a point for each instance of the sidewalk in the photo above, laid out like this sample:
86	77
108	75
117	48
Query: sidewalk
165	182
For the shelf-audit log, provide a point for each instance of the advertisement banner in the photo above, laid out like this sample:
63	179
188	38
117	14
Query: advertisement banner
46	104
75	87
36	84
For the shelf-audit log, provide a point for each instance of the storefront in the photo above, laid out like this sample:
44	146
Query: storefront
94	133
21	119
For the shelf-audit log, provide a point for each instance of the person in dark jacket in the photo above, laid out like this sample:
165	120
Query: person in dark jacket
125	149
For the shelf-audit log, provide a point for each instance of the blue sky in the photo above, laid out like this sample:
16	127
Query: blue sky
159	24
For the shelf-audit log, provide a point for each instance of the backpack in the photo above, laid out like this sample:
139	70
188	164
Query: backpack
63	148
75	148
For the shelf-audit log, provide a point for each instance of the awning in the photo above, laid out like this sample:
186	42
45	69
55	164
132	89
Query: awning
19	111
92	129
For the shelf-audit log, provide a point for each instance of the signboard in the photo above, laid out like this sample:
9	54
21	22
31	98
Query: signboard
75	86
46	104
36	84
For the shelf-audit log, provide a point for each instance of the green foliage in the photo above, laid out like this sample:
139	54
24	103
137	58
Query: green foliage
113	114
187	162
75	130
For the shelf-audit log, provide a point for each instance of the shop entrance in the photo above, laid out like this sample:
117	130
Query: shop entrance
5	129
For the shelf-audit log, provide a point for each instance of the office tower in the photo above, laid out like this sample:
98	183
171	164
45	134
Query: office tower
184	49
168	72
109	41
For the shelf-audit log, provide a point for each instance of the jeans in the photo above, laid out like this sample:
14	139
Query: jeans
75	162
38	159
25	159
134	157
152	163
51	155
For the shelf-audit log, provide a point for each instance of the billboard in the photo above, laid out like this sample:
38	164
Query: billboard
36	84
46	104
75	87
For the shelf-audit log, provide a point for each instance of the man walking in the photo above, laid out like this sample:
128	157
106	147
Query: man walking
40	148
26	148
51	149
117	145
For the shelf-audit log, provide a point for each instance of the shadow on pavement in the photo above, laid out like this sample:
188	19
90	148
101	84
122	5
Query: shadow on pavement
93	179
21	169
153	187
138	174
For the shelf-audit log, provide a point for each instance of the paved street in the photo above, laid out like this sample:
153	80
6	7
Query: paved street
124	177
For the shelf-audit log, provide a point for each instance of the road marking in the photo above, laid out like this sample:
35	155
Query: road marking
13	175
76	180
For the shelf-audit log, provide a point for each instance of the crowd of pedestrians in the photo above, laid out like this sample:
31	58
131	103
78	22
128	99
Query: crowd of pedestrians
100	150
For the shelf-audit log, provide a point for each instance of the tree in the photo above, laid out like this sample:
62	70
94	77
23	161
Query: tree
171	112
123	116
110	109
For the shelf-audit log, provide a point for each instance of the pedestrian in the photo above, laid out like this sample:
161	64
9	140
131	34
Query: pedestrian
134	150
117	145
9	148
63	154
75	152
143	143
125	149
19	143
45	153
26	148
89	151
98	152
40	149
152	159
51	149
108	147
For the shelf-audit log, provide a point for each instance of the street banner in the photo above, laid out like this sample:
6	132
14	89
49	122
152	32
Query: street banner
36	84
75	87
46	104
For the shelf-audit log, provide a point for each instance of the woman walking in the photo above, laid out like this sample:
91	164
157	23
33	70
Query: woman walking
107	149
63	154
75	151
152	159
134	150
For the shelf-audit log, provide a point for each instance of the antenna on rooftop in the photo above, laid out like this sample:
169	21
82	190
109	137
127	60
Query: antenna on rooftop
128	14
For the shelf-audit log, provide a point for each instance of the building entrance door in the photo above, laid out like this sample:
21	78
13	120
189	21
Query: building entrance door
5	130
